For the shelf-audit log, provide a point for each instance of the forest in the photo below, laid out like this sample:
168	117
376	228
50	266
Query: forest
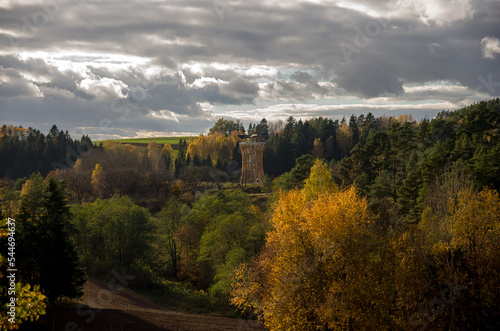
362	223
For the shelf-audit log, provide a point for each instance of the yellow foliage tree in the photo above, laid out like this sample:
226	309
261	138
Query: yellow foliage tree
168	155
155	156
98	181
312	272
216	145
318	149
320	180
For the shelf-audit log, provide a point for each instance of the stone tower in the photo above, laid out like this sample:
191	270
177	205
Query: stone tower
252	171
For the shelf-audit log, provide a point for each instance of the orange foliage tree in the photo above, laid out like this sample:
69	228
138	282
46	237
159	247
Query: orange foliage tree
216	146
313	270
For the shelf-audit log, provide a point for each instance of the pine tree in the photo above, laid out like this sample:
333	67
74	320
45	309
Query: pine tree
47	256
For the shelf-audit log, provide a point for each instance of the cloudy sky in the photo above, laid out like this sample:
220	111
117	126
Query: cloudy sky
136	68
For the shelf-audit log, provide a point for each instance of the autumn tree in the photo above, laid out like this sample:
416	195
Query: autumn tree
155	156
318	150
80	182
99	186
344	138
216	146
168	155
313	270
319	181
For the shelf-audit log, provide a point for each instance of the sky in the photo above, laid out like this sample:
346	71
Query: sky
141	68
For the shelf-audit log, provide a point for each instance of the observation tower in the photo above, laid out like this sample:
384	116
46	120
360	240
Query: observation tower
252	154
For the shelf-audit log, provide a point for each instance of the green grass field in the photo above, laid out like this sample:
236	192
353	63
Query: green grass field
159	140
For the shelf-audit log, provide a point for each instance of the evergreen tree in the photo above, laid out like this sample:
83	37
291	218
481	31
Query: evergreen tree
353	126
262	129
180	159
299	140
289	127
47	256
382	188
302	168
208	161
196	161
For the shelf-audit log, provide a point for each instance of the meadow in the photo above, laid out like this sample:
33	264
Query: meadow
159	140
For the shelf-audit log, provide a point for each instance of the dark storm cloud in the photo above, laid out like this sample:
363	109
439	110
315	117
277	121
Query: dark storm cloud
302	77
174	97
369	80
239	88
14	84
401	53
286	90
37	66
251	31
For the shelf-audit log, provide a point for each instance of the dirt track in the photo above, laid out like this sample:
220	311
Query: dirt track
121	311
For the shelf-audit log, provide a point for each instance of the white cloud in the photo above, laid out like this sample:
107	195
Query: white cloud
360	8
204	81
165	115
104	89
153	134
439	12
490	47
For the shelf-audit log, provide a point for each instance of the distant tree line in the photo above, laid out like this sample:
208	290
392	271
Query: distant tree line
25	151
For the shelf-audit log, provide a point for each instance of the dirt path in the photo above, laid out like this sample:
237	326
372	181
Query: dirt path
116	310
